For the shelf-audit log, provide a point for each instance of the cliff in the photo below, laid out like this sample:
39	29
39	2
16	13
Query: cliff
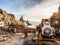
56	15
9	19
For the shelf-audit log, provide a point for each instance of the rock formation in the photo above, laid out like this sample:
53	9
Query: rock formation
56	15
9	19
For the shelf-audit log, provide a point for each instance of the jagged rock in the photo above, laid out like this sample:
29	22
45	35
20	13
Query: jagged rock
56	15
1	17
21	19
9	19
20	23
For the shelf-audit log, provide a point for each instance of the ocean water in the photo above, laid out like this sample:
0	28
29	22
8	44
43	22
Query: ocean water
34	24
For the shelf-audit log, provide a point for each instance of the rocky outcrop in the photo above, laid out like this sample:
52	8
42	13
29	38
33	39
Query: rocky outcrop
9	19
20	23
56	15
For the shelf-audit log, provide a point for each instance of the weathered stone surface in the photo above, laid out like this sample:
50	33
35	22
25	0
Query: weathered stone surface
9	19
20	23
56	15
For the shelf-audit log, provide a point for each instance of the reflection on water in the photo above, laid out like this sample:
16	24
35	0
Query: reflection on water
29	37
22	41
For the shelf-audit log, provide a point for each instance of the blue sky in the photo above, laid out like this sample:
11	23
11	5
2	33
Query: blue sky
31	9
14	5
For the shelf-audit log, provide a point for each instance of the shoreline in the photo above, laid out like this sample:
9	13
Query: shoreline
12	40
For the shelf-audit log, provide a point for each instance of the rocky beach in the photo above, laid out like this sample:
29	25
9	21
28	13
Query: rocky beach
12	40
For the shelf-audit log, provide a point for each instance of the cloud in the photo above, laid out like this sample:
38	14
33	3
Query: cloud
31	9
39	11
28	3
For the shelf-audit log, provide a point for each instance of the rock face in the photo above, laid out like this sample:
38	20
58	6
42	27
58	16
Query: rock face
9	19
56	15
55	19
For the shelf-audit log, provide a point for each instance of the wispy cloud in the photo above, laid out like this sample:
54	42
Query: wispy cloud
37	11
28	3
30	9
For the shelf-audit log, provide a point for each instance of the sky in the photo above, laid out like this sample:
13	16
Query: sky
33	10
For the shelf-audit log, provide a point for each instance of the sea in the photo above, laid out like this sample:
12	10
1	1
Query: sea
34	24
